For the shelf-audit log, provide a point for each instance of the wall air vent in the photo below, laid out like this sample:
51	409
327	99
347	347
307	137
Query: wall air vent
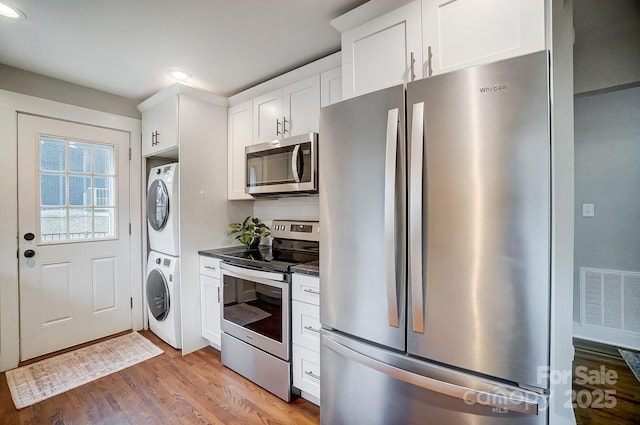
610	299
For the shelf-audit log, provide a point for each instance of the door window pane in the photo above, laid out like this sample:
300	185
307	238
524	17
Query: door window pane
103	156
103	191
53	190
53	154
85	204
79	190
79	157
53	224
105	219
80	226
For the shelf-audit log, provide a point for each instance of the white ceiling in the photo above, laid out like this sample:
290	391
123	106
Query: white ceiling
125	47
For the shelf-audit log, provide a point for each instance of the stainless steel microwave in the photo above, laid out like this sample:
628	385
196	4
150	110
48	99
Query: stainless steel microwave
283	167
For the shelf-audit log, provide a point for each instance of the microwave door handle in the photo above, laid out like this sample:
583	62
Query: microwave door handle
390	173
294	164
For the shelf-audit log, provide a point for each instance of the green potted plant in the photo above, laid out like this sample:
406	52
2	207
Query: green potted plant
249	232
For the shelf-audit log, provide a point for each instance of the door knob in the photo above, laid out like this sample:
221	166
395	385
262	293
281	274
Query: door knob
29	253
29	236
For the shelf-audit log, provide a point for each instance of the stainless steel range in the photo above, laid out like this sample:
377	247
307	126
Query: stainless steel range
256	319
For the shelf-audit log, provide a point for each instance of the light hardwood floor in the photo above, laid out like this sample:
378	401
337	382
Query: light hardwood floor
167	389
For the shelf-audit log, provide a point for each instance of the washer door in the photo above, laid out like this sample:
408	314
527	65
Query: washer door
157	205
158	295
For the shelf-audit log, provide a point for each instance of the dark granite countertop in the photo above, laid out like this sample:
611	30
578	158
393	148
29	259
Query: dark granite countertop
220	252
312	268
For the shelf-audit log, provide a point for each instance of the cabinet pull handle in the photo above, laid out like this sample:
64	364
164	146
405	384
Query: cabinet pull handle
284	125
312	329
311	374
413	61
154	138
206	266
312	291
429	56
278	127
218	295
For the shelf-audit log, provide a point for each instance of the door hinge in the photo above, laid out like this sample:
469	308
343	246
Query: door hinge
131	301
129	154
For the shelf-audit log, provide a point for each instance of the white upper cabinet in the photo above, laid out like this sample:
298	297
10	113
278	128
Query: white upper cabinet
240	125
301	107
330	87
461	33
382	52
160	128
292	110
267	114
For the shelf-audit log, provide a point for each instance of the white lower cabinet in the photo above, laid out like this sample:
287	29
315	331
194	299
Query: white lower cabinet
306	371
210	299
305	325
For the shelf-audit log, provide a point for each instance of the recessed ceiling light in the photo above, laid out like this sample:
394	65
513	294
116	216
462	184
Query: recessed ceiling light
179	74
11	12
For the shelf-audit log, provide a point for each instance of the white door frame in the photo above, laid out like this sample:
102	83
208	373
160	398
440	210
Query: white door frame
10	104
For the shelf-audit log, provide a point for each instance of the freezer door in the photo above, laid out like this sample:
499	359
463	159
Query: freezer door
362	187
480	219
362	384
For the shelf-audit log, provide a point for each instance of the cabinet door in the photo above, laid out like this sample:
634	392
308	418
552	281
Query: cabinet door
267	117
302	107
461	33
210	308
378	54
330	87
160	127
240	125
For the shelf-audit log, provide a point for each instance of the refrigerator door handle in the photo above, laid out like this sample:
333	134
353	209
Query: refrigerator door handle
415	217
517	402
390	173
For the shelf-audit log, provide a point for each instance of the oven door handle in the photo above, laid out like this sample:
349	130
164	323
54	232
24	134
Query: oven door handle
251	274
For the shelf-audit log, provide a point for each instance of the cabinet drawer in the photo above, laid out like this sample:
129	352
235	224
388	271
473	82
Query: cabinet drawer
306	288
210	266
306	370
305	324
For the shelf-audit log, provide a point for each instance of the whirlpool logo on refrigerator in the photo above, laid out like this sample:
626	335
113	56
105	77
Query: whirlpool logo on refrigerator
495	88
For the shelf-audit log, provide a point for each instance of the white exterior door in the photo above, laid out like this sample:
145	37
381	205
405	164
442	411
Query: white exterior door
73	201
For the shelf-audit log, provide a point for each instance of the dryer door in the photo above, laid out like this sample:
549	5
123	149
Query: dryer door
157	205
158	295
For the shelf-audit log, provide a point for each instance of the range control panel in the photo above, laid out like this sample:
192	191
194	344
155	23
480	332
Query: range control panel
299	230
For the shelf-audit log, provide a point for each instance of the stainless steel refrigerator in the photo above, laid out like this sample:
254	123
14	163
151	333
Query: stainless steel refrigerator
435	250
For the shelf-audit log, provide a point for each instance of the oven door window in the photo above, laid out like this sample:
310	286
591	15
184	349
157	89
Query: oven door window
253	306
288	164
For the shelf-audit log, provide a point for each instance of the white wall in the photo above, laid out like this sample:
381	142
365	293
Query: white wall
607	174
607	44
10	104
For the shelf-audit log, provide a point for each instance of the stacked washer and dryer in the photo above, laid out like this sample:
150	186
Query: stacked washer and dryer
162	284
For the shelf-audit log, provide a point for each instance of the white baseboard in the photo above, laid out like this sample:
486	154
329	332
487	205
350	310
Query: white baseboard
606	336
